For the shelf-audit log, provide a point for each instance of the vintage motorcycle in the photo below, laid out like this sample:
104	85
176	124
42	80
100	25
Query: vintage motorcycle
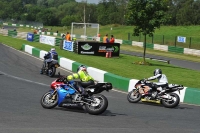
64	94
167	98
50	68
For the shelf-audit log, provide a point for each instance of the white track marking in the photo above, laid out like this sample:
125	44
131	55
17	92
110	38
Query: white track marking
18	78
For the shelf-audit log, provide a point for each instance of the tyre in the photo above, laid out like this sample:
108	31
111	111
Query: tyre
98	105
42	69
172	102
134	96
48	101
51	71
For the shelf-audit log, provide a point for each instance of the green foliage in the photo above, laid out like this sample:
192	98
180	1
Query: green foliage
181	12
46	16
67	20
146	15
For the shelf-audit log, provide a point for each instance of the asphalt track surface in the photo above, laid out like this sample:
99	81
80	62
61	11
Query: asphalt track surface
22	87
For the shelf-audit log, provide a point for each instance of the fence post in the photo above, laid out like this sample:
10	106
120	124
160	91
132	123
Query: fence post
140	37
129	36
175	41
190	42
163	39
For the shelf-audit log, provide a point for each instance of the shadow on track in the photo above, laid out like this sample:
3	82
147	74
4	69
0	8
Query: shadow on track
160	105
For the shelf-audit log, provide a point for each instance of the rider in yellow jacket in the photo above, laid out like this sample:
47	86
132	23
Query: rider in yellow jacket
85	78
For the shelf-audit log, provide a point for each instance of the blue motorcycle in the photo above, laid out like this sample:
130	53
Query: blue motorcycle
65	95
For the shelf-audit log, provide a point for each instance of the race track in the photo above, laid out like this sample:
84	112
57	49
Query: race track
22	87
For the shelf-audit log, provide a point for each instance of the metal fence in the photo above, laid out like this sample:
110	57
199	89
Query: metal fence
191	42
32	23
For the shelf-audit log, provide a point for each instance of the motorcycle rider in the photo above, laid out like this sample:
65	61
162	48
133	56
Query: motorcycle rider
85	78
49	57
162	81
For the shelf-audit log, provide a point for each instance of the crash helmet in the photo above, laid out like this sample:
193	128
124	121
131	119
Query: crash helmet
157	71
53	49
82	67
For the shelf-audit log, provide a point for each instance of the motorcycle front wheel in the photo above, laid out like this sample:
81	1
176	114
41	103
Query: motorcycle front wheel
172	102
134	96
49	101
98	104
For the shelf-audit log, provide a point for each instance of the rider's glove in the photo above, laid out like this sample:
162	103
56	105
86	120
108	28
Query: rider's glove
65	80
144	80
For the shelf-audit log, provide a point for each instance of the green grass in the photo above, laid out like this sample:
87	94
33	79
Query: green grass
120	66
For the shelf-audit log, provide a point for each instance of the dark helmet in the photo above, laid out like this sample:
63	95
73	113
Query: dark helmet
157	71
82	67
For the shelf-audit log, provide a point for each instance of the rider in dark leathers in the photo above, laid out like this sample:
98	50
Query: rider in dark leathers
49	57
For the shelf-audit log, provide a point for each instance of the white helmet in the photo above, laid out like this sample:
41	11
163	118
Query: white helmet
157	71
53	49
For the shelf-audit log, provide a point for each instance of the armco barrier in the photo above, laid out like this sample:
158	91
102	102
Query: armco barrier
149	45
36	38
187	95
36	52
129	42
192	96
12	33
117	81
75	66
175	49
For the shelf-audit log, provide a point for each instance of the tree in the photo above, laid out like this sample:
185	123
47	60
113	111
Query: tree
146	16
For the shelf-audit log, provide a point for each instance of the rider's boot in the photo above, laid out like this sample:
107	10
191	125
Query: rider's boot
41	71
67	95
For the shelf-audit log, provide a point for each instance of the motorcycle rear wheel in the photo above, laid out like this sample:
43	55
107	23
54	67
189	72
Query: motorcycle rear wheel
98	105
134	96
51	71
48	101
172	103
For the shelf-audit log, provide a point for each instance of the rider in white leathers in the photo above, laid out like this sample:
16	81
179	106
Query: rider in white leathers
162	80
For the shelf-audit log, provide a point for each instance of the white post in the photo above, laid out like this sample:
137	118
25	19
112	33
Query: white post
84	20
72	29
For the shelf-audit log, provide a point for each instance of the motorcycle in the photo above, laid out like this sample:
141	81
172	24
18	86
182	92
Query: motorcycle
50	68
167	98
64	94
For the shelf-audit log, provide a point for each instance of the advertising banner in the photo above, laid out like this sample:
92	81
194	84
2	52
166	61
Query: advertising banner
98	49
68	45
47	40
30	37
181	39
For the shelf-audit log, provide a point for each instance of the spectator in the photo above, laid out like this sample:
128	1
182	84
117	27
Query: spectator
57	31
68	37
98	35
105	39
112	39
35	31
63	36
